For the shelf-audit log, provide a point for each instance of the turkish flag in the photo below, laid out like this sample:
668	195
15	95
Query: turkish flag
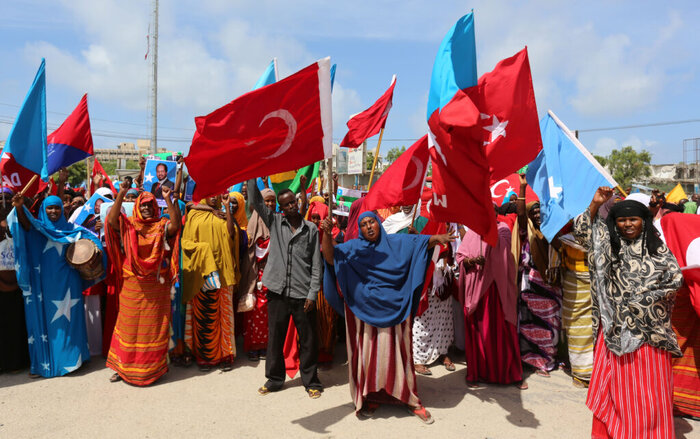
98	170
368	123
682	234
282	126
500	188
508	127
401	183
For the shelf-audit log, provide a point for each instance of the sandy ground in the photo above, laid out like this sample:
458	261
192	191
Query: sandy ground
190	403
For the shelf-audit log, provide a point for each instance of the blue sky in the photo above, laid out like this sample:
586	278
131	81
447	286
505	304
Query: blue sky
596	64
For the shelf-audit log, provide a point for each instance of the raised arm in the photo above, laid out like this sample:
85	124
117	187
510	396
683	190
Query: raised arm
173	211
520	204
115	211
62	178
441	239
18	202
230	220
327	243
601	196
142	167
178	178
304	200
256	200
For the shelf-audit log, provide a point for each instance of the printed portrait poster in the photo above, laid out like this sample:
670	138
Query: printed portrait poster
159	174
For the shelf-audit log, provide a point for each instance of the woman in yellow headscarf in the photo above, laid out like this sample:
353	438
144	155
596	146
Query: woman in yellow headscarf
210	272
237	201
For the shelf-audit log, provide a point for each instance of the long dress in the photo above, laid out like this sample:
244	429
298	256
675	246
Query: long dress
52	291
433	332
256	331
686	369
149	263
633	292
489	295
210	272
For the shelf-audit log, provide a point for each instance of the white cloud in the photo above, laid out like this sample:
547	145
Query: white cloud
604	146
346	102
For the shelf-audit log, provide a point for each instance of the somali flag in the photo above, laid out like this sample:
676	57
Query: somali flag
87	210
565	176
52	292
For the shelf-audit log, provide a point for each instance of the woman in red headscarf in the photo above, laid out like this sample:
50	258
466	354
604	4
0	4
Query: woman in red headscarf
144	247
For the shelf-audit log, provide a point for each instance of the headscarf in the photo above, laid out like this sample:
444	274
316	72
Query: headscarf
60	225
317	198
133	191
267	192
401	220
627	208
239	215
105	192
381	281
506	199
319	207
351	232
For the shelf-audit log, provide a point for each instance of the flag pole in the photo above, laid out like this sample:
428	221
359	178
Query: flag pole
622	191
374	164
87	182
31	182
329	168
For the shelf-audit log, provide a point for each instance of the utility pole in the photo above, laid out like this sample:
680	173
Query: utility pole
154	90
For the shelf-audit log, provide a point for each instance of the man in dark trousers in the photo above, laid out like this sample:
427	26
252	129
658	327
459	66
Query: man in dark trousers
293	278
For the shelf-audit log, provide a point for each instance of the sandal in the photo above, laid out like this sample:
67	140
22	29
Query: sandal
449	365
368	409
422	414
522	385
253	356
580	384
227	366
114	378
542	373
422	369
263	391
314	393
473	385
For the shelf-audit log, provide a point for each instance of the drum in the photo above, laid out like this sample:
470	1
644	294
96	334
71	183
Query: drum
84	256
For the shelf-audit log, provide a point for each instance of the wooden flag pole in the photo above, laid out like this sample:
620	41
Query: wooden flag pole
87	182
376	155
622	191
31	182
329	175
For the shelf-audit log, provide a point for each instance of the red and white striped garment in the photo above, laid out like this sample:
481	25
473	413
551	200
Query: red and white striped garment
631	395
380	363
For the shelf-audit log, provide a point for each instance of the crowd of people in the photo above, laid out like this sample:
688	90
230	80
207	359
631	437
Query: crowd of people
292	278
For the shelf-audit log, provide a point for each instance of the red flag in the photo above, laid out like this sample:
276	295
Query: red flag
508	128
15	176
401	183
72	141
682	234
500	188
97	169
276	128
368	123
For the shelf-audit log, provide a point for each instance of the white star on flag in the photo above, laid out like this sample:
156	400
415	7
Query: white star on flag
79	363
554	191
64	306
50	243
497	128
27	292
29	300
30	340
148	178
87	207
45	366
44	338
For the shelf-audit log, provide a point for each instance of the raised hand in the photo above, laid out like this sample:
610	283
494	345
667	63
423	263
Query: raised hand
166	192
523	180
124	186
142	162
603	194
225	198
18	200
327	226
303	180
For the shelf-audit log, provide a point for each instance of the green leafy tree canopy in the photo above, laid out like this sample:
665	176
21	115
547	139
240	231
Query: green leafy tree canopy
627	165
394	153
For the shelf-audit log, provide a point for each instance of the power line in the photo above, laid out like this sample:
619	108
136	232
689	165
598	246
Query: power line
643	125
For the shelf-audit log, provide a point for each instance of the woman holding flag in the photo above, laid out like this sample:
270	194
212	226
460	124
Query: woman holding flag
380	279
634	279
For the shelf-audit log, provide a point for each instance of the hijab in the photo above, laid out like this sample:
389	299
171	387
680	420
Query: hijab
381	281
239	215
651	241
401	220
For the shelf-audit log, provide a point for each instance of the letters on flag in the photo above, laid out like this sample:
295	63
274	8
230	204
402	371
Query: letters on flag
564	176
24	154
72	141
368	123
402	182
286	125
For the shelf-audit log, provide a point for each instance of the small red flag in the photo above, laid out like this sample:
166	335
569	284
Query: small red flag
97	169
273	129
364	125
682	234
402	182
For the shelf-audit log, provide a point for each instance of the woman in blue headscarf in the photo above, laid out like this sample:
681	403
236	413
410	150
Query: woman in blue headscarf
380	279
52	289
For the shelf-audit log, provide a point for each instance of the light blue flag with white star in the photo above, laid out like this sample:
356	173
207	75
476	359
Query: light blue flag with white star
564	175
87	210
52	291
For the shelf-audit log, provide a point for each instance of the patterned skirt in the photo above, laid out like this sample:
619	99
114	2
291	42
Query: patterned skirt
380	363
433	331
209	330
540	321
139	348
577	321
631	395
686	370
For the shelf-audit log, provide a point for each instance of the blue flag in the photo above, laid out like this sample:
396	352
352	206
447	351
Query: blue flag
27	139
269	76
565	176
333	75
87	210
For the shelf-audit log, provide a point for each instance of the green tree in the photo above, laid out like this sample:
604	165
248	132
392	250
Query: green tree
601	159
370	161
77	173
627	165
394	153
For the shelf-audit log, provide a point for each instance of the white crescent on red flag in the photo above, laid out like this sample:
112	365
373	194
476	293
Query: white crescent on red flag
401	183
282	126
682	235
500	188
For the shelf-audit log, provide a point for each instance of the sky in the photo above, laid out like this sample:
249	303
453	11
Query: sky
596	64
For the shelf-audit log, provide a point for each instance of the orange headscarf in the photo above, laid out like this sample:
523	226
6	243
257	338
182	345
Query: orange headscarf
239	215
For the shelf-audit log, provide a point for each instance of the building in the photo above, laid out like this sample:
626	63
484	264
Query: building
126	151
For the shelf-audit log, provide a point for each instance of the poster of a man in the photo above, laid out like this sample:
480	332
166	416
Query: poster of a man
159	173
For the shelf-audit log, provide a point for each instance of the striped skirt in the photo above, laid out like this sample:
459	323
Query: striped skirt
139	348
631	396
380	363
686	373
209	330
577	321
539	317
